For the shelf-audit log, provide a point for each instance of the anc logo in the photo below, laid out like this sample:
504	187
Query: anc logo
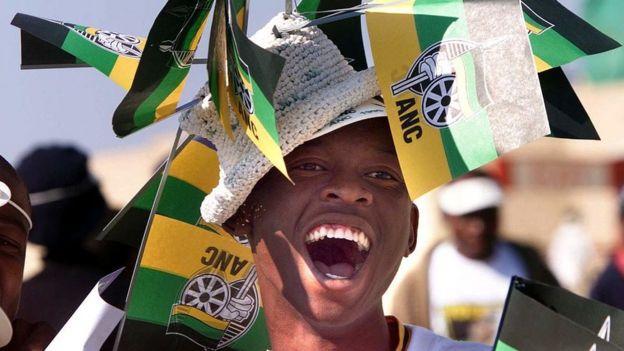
214	312
433	77
121	44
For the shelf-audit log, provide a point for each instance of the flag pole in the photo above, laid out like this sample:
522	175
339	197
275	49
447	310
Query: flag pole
161	187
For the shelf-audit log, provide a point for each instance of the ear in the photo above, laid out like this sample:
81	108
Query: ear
413	234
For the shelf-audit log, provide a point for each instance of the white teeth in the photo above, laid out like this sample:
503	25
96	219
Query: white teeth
345	233
330	233
332	276
339	234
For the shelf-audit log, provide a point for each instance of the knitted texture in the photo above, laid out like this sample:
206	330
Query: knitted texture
316	85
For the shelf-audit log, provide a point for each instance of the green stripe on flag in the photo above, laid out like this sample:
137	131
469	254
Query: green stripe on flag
469	143
264	111
175	199
153	294
309	8
501	346
544	43
95	56
145	112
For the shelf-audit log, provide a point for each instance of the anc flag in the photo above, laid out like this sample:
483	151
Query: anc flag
185	261
253	73
558	36
114	54
194	290
432	78
164	65
217	65
542	317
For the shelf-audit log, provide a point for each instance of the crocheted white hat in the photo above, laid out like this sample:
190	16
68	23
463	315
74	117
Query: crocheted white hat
317	84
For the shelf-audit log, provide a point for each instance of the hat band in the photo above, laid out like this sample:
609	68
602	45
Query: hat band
5	198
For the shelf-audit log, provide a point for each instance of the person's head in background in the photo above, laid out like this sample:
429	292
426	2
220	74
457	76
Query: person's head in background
14	227
470	206
67	204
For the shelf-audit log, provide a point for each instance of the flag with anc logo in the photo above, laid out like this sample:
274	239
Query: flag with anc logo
253	73
242	79
542	317
431	67
114	54
558	36
164	65
195	287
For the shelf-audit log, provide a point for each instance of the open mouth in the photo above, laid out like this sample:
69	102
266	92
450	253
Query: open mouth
337	251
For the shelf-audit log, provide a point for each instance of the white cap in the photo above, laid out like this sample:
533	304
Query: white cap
469	195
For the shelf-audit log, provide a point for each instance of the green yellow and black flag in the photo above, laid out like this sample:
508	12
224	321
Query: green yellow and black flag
114	54
541	317
164	65
195	288
558	36
253	73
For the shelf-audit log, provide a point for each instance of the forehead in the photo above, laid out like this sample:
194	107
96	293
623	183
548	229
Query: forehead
357	139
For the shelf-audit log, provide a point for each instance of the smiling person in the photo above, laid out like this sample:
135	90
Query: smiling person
15	223
328	244
459	287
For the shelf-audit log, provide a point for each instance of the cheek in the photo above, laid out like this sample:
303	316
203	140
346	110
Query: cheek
11	271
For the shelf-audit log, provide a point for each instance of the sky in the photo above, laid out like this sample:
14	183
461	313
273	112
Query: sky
76	105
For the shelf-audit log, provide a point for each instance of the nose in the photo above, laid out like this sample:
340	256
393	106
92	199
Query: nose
347	190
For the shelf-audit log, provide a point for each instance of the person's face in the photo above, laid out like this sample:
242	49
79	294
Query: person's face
13	236
475	232
347	184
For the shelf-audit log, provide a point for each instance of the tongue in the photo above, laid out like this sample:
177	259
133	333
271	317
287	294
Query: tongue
343	270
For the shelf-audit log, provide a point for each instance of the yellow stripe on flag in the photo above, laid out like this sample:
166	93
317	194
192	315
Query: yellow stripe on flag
540	64
168	106
200	316
124	71
419	146
184	250
194	164
533	29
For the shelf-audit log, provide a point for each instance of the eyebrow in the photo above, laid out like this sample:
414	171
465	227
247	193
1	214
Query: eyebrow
12	221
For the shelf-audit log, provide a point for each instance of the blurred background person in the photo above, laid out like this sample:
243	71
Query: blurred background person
609	287
15	223
459	287
68	211
570	253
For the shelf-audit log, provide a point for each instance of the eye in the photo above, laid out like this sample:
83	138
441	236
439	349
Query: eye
10	246
382	175
309	166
